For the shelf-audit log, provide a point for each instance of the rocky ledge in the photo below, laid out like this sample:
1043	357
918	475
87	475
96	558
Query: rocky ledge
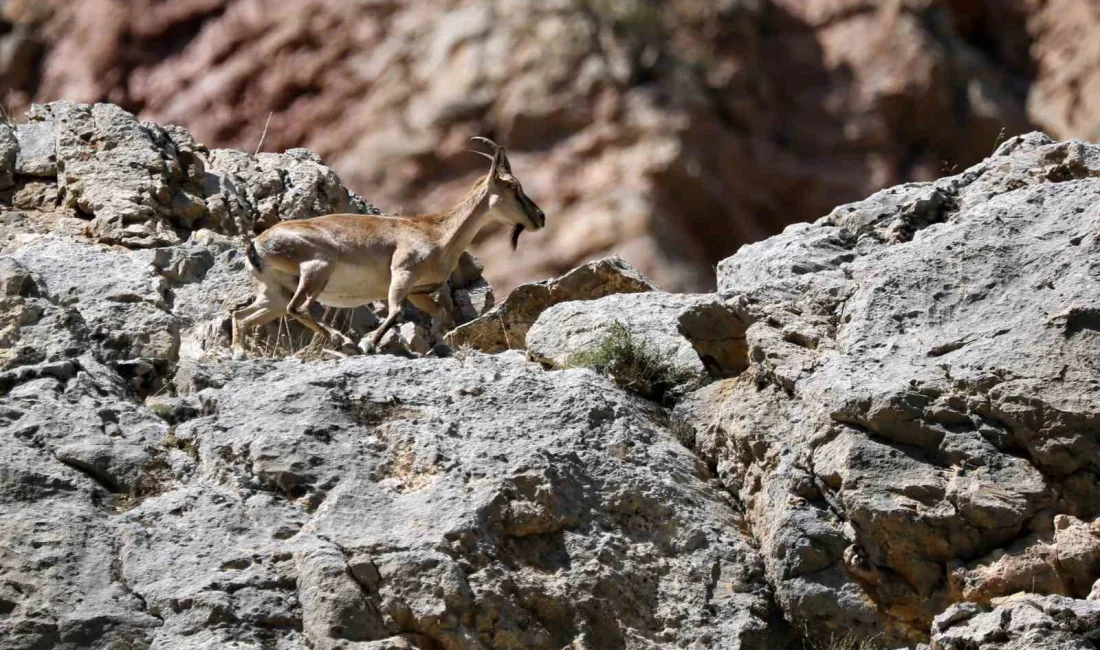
883	427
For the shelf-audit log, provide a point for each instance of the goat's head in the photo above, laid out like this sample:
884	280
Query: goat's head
507	201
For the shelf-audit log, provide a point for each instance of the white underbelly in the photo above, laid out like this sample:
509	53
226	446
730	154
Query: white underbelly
339	300
352	286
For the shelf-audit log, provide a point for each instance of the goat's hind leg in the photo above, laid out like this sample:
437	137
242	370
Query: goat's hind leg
263	310
312	278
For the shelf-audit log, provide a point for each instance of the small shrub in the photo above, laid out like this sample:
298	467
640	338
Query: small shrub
632	363
837	641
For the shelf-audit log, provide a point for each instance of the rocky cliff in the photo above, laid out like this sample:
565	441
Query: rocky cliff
883	426
667	133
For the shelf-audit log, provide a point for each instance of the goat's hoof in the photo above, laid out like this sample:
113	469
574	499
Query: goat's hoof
441	350
238	354
366	347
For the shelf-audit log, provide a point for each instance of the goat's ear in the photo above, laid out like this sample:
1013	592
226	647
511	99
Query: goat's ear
505	166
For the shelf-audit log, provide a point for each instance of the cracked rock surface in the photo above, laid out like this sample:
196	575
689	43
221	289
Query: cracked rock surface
368	499
894	432
919	425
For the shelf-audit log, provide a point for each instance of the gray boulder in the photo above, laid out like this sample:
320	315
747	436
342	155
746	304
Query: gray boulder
246	194
698	334
74	447
381	503
111	168
919	394
505	326
66	297
35	146
1020	622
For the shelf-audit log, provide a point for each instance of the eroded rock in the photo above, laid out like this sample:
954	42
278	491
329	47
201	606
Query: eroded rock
903	434
505	326
377	501
9	151
1018	623
567	329
917	398
69	296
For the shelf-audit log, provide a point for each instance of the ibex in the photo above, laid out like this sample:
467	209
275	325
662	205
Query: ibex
347	260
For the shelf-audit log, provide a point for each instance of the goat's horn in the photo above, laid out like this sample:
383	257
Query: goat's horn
478	138
481	153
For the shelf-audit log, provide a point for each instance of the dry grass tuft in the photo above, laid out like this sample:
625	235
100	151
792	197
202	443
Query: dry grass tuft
299	342
837	641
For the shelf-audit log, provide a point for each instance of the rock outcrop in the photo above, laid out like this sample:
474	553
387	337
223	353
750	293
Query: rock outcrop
1023	622
919	425
505	327
890	429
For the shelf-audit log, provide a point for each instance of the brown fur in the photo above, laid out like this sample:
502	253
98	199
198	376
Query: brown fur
346	260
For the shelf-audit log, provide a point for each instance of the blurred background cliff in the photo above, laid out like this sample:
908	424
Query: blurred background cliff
669	133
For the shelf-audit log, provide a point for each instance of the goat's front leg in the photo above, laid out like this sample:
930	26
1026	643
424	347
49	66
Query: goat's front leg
424	303
400	285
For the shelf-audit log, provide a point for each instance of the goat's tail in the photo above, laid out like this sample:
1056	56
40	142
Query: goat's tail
253	256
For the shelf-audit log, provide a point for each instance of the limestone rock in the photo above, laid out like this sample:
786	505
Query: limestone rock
894	432
74	295
569	328
472	302
248	194
9	151
1061	561
1021	622
36	147
698	333
505	326
112	170
73	446
376	501
144	185
916	397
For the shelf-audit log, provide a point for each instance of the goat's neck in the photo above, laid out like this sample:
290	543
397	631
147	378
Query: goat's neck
463	222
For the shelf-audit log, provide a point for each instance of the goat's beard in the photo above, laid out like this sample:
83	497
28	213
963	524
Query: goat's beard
516	230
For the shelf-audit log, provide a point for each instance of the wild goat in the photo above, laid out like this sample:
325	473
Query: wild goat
348	260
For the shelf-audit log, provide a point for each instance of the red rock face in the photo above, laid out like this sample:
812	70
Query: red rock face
668	133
